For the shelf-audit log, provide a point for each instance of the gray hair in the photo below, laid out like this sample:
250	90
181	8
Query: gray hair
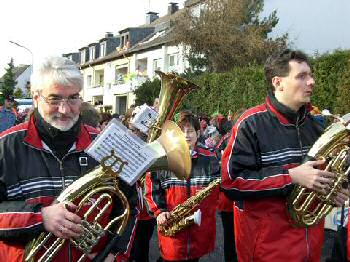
56	70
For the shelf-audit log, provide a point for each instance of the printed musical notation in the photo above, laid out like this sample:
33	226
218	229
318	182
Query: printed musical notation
144	118
127	146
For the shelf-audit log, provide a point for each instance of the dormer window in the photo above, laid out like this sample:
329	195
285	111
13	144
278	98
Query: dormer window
125	41
82	56
92	53
102	49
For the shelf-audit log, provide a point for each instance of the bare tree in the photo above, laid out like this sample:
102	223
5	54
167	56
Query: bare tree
227	33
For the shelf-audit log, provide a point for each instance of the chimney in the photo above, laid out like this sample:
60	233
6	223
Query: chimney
150	17
172	8
108	34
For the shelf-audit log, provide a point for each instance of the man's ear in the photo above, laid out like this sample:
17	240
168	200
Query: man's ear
276	82
36	97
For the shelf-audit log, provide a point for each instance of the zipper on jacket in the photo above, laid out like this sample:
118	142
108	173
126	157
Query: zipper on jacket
188	191
61	171
302	157
299	138
63	187
60	161
307	244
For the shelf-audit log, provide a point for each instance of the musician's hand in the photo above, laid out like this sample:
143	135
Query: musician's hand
59	220
341	197
307	175
109	258
162	218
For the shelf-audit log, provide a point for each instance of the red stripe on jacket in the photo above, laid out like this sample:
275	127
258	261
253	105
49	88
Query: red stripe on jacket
152	205
19	220
229	181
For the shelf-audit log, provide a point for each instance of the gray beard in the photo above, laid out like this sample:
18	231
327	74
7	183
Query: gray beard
56	125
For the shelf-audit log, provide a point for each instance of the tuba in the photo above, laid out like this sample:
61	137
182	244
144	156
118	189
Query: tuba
172	93
173	90
307	207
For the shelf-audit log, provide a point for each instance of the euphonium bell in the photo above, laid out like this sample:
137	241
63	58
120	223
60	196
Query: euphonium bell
172	151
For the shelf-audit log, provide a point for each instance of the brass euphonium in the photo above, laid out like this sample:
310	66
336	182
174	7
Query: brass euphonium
307	207
95	192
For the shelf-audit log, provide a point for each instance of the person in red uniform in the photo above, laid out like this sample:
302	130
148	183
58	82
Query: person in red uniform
163	192
42	157
263	162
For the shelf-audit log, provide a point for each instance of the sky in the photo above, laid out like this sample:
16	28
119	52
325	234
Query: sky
55	27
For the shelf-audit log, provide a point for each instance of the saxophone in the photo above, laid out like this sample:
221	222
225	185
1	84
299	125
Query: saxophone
183	215
307	207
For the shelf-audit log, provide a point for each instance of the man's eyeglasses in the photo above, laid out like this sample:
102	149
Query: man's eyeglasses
73	100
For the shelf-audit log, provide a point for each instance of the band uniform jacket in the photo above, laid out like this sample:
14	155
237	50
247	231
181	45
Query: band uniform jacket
266	141
32	177
163	192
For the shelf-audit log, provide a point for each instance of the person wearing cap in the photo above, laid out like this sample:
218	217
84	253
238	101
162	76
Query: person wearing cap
7	115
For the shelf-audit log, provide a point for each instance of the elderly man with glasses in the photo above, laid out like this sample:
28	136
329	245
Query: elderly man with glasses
40	158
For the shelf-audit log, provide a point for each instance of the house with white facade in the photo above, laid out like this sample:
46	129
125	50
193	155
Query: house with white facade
113	71
22	75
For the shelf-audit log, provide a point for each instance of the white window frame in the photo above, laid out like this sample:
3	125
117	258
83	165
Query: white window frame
82	56
91	53
103	46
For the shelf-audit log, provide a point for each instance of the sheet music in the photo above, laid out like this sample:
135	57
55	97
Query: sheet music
144	118
126	146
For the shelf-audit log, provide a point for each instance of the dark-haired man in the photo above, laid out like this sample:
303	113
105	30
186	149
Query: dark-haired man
7	115
262	163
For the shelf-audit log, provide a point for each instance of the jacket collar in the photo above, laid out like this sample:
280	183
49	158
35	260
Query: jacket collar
283	113
32	137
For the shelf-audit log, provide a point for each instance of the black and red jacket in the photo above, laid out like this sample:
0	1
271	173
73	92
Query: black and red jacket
266	141
224	203
163	192
31	177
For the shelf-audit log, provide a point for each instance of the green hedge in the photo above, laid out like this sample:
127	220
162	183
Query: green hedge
241	88
246	87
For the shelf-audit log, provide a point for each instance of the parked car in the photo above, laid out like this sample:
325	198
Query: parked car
23	104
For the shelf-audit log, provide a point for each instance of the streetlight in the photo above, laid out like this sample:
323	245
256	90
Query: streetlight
31	53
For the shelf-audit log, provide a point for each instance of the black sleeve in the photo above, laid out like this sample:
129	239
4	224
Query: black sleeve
154	194
20	222
243	176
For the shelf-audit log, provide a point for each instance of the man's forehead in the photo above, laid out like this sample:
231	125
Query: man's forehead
298	67
60	90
